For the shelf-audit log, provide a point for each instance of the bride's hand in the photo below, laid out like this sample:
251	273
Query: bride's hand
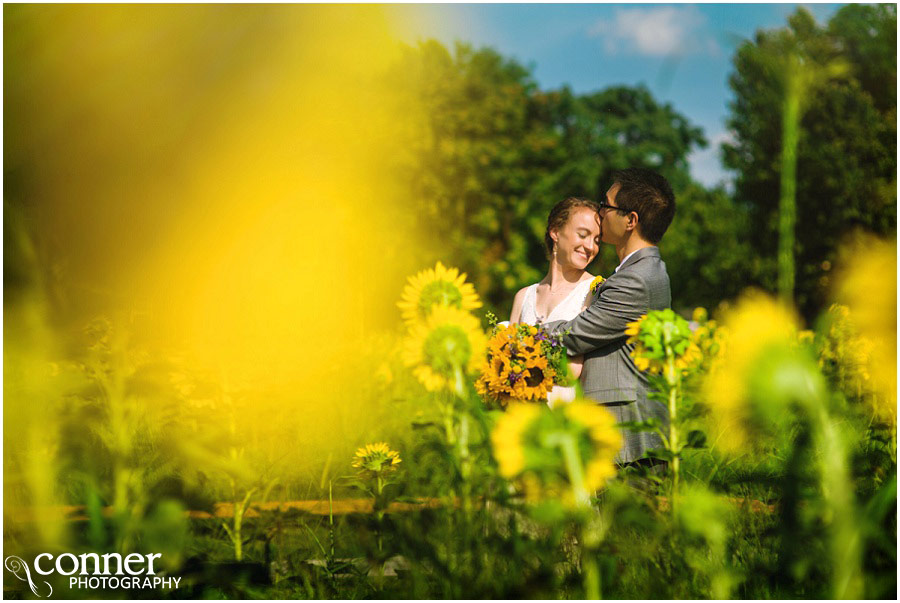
576	363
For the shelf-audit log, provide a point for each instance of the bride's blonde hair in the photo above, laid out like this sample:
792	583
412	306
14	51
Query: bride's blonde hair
560	214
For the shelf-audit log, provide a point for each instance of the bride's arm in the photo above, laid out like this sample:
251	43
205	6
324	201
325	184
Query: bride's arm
516	313
576	363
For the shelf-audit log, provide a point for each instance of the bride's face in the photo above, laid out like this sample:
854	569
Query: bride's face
578	241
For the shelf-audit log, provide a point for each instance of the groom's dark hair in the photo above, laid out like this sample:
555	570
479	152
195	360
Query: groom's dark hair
650	195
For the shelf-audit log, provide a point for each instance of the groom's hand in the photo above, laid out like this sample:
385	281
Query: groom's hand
558	326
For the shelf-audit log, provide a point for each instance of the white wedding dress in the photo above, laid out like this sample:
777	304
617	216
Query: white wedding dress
567	309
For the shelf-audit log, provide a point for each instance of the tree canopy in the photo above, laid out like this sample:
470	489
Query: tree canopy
487	154
846	158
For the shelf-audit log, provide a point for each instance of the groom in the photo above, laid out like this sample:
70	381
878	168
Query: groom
638	209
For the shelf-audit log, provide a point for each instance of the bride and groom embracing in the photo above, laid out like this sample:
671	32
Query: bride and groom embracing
638	209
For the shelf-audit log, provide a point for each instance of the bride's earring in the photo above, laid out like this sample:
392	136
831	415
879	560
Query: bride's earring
554	251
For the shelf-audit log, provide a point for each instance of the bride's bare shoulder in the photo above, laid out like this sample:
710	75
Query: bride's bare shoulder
518	302
520	294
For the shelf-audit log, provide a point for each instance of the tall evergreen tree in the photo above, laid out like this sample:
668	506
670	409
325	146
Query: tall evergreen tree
846	152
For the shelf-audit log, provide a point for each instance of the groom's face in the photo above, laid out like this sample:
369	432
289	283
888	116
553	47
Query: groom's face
612	222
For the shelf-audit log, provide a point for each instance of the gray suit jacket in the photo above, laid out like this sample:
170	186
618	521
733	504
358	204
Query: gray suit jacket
609	375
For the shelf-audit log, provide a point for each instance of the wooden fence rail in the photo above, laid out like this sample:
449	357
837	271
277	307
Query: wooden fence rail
316	507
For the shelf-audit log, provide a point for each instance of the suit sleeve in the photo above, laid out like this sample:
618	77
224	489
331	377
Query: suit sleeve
623	300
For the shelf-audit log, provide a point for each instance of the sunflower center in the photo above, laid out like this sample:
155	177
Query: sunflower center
535	377
446	347
438	293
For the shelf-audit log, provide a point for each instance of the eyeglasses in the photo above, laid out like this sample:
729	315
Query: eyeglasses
603	205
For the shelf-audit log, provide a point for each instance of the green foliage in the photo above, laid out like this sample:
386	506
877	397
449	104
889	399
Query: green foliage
706	250
126	436
846	155
487	154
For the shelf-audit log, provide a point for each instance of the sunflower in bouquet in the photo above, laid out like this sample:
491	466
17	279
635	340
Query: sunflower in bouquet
523	363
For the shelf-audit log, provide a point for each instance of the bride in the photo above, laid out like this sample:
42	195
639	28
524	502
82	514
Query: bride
572	240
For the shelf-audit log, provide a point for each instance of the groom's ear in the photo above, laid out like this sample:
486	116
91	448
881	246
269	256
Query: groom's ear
633	220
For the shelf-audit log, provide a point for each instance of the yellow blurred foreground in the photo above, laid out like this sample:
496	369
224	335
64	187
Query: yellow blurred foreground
213	184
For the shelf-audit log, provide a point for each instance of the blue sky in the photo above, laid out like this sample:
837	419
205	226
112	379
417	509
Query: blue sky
681	52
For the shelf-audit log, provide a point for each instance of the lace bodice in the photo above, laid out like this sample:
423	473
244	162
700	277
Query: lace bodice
567	309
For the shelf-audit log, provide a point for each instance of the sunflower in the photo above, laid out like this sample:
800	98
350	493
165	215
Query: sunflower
434	287
595	284
441	350
692	355
700	315
508	439
659	334
517	366
755	327
605	441
869	290
377	458
845	355
643	359
528	445
633	328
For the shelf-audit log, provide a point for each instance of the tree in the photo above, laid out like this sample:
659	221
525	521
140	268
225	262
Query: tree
486	154
846	152
706	251
473	149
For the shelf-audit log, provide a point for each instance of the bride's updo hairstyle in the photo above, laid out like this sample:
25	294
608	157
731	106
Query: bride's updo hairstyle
560	215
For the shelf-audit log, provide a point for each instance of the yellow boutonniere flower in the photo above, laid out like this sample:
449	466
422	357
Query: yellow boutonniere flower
595	284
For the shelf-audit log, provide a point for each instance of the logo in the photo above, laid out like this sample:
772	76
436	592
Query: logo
92	571
18	567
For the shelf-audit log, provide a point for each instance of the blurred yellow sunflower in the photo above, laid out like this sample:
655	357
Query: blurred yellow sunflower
692	356
435	287
508	439
445	348
529	443
868	287
639	353
700	315
657	335
633	328
844	354
377	458
595	284
605	440
755	324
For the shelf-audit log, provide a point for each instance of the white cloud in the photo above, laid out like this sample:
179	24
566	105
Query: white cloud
662	31
706	164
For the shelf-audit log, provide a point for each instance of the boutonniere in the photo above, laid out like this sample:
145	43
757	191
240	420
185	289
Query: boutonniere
595	284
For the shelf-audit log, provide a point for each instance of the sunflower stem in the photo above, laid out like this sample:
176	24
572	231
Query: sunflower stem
458	381
331	536
834	474
575	470
379	530
589	568
672	380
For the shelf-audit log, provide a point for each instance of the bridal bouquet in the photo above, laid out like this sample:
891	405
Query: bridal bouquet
523	363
